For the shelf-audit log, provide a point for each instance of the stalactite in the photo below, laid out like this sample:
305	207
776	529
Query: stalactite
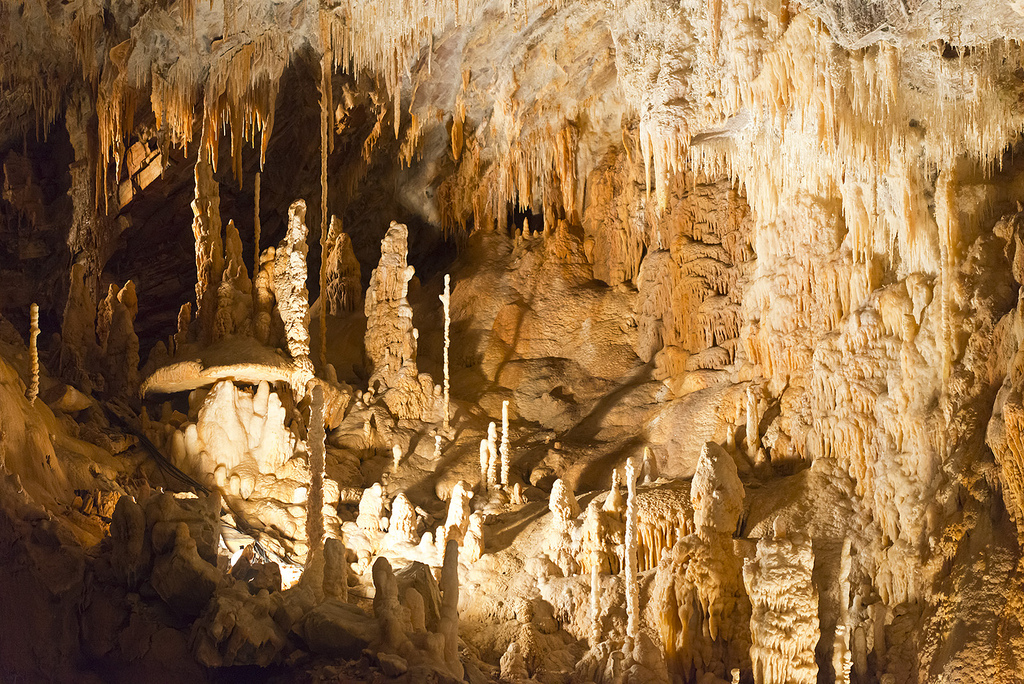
256	234
946	216
326	128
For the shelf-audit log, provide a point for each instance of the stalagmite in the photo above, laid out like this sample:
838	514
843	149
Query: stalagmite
492	456
629	569
371	508
595	604
564	510
234	294
449	623
391	339
485	462
402	525
516	496
445	298
206	228
387	609
784	623
396	457
614	503
343	286
842	660
753	438
716	492
335	569
315	503
290	282
437	447
503	450
263	296
181	336
33	353
457	520
473	545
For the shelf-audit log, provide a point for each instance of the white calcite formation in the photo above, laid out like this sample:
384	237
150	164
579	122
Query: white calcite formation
371	509
564	510
240	444
716	492
629	569
237	435
504	451
402	524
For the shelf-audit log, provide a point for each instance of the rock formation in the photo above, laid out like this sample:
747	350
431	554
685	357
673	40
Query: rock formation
783	625
760	259
391	339
343	290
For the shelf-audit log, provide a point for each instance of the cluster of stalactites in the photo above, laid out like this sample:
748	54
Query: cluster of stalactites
235	80
234	83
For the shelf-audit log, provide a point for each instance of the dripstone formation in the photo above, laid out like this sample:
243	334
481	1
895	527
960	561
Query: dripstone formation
599	342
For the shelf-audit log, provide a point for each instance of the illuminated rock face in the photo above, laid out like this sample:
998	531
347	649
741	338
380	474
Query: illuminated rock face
761	258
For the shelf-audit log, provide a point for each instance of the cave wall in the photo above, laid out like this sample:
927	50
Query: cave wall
791	230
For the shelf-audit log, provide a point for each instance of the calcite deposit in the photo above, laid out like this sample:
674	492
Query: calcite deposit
604	342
